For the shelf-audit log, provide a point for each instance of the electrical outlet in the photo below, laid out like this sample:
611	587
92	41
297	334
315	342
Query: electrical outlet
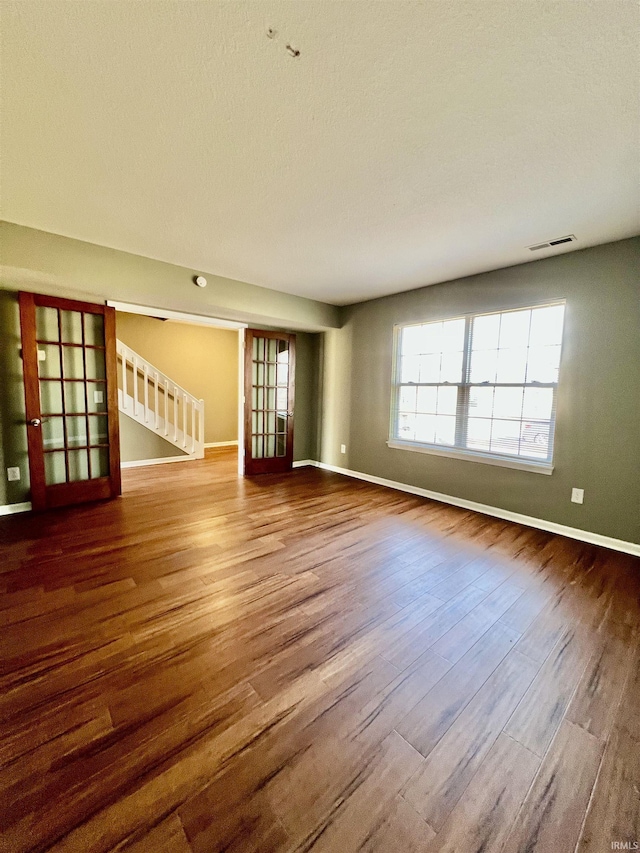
343	448
13	474
98	396
577	496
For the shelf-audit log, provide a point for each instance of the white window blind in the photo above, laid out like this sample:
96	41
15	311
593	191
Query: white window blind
485	384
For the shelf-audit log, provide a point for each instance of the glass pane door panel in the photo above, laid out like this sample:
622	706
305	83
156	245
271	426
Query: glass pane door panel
78	465
55	470
76	431
72	362
99	462
47	324
95	361
98	430
53	433
51	398
97	397
94	330
71	327
74	400
49	361
281	399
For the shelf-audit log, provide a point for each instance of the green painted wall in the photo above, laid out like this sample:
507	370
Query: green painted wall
306	426
598	423
47	263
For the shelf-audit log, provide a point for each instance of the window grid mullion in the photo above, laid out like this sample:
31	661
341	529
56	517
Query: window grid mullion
462	409
478	384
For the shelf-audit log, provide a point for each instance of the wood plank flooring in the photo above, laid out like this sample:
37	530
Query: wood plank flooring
305	662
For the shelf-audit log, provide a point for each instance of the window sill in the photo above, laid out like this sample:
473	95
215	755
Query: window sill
474	456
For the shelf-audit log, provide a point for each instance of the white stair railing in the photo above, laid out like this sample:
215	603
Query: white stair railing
158	403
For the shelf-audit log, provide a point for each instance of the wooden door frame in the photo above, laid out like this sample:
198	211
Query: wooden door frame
287	460
103	488
242	392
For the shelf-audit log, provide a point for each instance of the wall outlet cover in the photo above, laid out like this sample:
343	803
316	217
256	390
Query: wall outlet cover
577	496
98	396
13	475
343	448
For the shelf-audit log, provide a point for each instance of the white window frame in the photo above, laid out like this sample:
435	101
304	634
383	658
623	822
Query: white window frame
489	458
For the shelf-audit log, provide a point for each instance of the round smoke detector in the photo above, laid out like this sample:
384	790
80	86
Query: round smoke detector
200	280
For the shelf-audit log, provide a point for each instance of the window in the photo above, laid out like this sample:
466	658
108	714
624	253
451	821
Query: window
482	386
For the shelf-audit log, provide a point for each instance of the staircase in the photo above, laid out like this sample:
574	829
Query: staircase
152	399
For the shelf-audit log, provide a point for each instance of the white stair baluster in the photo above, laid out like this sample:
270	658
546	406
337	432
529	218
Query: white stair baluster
175	414
135	385
145	378
184	420
124	379
140	410
156	398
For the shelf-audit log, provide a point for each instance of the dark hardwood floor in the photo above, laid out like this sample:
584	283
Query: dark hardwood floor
306	662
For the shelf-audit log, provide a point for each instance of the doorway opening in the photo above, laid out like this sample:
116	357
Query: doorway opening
180	385
156	400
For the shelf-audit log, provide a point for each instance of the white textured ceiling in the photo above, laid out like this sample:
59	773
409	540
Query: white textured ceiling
408	143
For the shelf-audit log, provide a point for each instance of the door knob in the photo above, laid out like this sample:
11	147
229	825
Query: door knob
35	422
290	414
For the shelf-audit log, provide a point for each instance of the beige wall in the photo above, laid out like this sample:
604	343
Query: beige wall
201	359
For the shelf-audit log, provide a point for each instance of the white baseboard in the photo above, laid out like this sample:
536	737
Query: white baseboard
304	463
10	509
528	520
142	463
222	444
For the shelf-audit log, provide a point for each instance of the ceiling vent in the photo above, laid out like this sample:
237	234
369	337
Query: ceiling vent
570	238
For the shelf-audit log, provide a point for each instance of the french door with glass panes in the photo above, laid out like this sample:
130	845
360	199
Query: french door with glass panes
269	387
69	365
